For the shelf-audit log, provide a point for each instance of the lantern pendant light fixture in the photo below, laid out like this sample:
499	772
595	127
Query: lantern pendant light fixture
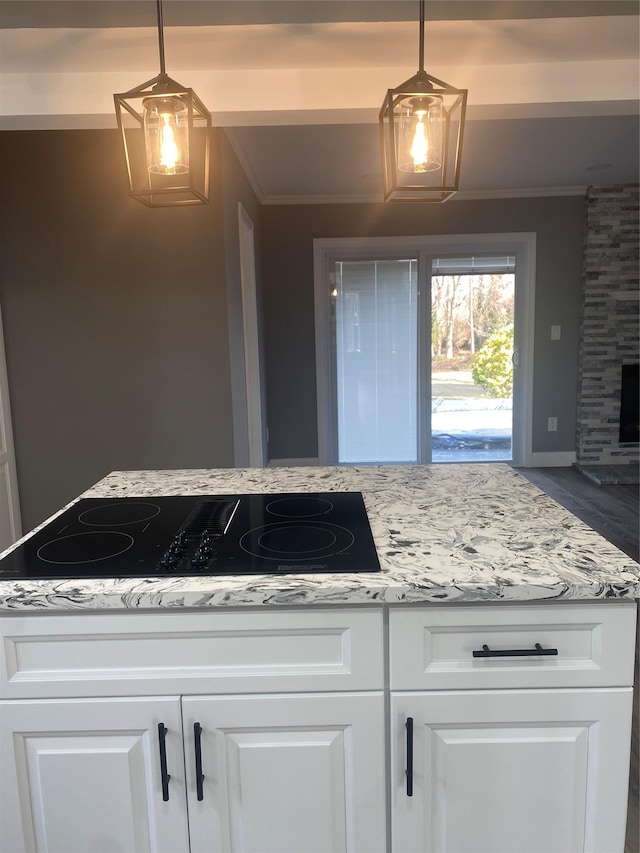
421	128
166	132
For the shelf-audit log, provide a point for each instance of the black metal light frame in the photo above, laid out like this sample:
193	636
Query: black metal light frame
433	186
164	190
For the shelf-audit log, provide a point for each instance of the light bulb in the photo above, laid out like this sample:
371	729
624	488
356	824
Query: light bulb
420	145
166	132
169	151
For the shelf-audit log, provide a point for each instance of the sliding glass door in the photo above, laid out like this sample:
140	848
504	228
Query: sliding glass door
424	354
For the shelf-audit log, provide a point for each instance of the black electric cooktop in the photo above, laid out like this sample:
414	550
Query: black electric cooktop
200	535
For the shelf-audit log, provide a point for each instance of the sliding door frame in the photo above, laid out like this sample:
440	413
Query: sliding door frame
425	248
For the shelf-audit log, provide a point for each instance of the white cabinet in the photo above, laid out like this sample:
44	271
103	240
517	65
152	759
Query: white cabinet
481	769
278	724
275	766
84	775
496	772
302	774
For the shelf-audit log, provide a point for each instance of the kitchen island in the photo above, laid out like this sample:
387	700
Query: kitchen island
492	654
444	533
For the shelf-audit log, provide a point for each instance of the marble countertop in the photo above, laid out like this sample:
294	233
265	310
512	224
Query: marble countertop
444	533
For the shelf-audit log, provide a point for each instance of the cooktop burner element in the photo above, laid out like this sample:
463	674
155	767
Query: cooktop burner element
85	547
298	541
300	506
116	515
200	535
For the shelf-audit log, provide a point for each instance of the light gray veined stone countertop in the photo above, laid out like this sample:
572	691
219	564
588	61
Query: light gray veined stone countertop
444	533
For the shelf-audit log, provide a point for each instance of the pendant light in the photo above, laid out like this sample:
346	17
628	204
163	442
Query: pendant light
421	127
166	132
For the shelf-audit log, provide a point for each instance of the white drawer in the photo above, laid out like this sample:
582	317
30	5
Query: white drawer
431	648
215	652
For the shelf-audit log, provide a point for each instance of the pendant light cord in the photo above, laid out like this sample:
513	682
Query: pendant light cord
421	55
161	37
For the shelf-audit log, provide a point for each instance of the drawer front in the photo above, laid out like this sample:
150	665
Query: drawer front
432	648
134	654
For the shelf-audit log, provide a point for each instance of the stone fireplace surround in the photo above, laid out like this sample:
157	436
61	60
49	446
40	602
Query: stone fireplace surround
609	332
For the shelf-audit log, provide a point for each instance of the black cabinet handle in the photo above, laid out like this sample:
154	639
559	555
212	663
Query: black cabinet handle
409	770
197	740
164	776
486	652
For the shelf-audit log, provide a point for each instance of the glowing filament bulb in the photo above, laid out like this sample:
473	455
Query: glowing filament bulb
420	145
166	136
169	151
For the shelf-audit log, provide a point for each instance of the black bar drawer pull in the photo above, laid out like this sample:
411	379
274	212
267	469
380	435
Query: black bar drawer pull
164	776
409	770
197	740
486	652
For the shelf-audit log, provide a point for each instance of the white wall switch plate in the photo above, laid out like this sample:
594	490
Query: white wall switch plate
555	333
552	424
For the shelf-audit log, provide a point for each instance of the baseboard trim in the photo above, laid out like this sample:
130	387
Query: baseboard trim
561	459
294	463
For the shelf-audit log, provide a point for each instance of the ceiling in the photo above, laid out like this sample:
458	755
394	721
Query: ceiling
297	84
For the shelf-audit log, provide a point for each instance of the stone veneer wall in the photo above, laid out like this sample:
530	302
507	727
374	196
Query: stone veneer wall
609	329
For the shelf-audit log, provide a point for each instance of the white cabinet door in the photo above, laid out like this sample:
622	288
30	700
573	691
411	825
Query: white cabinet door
84	776
542	771
287	773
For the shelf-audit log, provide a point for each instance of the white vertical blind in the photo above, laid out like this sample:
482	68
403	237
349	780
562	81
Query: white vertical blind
376	360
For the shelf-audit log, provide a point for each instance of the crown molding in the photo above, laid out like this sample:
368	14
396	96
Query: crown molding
469	195
529	192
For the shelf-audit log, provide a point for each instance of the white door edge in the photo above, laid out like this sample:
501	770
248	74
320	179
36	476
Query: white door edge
10	526
322	300
255	430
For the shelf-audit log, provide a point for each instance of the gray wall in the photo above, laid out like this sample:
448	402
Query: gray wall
287	238
115	320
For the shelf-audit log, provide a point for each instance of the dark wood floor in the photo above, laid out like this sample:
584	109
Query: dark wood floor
614	512
611	510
